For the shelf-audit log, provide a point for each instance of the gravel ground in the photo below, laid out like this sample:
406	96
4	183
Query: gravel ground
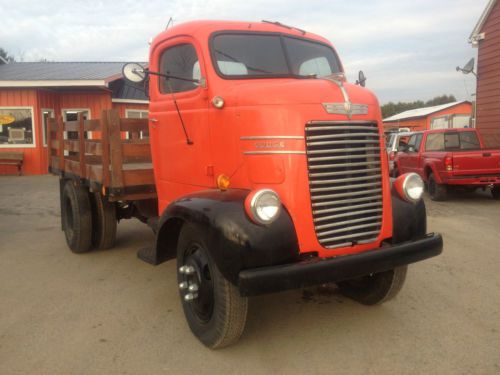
107	312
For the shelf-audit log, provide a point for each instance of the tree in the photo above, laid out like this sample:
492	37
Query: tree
5	56
390	109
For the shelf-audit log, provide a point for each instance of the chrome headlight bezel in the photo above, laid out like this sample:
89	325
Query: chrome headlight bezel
256	206
412	187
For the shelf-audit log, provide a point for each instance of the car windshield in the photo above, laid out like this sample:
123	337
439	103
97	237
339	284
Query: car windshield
247	55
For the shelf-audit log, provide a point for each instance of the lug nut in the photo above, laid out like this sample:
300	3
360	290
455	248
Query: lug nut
190	297
189	270
193	288
182	269
183	285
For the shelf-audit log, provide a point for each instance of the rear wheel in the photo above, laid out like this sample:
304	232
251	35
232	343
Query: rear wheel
77	217
495	192
437	192
214	309
376	288
103	221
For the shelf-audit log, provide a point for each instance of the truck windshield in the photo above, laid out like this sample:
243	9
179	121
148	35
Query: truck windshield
455	141
271	55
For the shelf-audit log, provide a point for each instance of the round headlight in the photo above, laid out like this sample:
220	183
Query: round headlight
413	186
263	206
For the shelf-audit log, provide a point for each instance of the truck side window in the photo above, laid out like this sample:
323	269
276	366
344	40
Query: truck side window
180	61
418	141
435	142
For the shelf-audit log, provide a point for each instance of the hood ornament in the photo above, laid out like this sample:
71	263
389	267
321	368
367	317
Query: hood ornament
346	108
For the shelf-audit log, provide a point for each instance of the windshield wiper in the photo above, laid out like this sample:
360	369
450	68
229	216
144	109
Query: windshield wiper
234	59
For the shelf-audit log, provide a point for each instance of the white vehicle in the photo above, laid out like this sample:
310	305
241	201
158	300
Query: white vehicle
394	141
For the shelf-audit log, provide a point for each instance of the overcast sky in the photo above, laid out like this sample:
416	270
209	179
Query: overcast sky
408	49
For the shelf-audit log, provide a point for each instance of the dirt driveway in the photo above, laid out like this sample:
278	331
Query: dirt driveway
109	313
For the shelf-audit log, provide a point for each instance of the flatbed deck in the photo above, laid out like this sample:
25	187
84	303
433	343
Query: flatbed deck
116	157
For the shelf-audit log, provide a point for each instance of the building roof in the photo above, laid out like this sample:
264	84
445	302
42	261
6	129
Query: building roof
73	74
475	36
421	112
60	74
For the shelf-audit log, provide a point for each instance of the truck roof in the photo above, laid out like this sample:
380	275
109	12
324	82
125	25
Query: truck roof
203	28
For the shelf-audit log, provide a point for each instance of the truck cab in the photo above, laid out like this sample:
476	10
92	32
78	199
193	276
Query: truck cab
270	173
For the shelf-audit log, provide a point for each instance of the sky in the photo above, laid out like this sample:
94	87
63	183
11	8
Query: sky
408	49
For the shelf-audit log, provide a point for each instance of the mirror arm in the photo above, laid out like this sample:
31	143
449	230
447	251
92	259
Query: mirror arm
168	76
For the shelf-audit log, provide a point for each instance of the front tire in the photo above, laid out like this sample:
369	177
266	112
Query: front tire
495	192
437	192
213	307
376	288
76	217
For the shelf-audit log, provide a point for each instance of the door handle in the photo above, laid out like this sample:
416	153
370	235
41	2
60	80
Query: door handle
153	119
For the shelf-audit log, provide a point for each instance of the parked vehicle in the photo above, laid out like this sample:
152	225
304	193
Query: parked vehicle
395	141
450	157
268	173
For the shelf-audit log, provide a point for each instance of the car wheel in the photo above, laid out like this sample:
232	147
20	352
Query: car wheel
376	288
495	192
213	307
437	192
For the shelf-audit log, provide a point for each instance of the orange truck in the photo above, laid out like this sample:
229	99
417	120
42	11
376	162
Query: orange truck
260	169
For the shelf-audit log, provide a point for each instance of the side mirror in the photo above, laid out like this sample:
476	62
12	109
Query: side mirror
361	79
402	148
134	72
411	149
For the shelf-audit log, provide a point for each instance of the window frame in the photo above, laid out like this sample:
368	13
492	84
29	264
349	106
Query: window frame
33	129
64	110
280	35
128	110
160	57
44	126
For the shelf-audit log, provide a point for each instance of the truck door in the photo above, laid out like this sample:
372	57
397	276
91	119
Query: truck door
180	156
410	162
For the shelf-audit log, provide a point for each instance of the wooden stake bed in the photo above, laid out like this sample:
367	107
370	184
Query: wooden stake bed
119	167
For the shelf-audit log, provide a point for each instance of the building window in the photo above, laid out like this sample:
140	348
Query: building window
136	113
16	127
46	114
72	114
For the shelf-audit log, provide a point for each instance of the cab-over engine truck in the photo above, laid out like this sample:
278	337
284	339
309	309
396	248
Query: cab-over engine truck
268	173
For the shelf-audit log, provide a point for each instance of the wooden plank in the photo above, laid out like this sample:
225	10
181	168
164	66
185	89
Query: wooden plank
105	178
60	137
94	172
116	157
72	166
133	124
92	125
52	126
138	177
71	126
93	147
81	145
132	197
139	150
71	145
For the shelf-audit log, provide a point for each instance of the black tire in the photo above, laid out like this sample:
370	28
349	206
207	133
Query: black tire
495	192
77	217
217	316
103	222
375	289
437	192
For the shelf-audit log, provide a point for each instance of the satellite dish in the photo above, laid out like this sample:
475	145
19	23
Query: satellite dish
468	68
134	72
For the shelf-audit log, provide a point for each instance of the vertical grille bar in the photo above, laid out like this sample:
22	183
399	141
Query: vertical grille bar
344	171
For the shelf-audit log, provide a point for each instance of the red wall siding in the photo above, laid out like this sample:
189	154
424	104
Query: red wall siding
488	84
121	107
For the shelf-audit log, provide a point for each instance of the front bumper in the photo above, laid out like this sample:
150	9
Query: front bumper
320	271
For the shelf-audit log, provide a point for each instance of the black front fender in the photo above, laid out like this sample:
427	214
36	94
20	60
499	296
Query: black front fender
235	242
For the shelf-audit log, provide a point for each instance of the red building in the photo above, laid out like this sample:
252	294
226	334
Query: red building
451	115
32	92
486	37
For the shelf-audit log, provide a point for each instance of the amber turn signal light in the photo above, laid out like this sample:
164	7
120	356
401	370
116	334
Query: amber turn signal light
223	182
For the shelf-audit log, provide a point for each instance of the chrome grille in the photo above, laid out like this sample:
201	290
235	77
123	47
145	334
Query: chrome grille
345	182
